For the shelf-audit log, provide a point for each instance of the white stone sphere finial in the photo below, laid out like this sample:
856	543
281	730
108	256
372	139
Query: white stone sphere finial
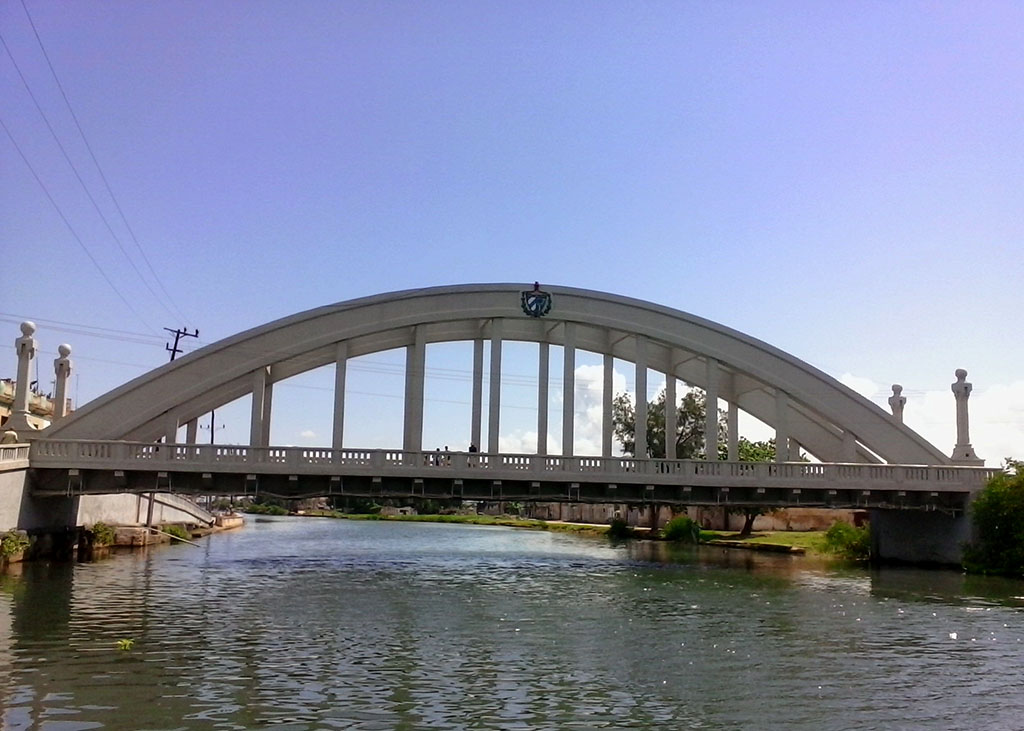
64	349
28	328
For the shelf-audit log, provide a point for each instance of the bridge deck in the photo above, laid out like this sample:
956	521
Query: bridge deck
83	467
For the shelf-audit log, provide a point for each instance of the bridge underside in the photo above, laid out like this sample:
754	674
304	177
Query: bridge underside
394	487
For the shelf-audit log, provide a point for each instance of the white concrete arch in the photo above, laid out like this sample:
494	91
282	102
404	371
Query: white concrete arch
801	402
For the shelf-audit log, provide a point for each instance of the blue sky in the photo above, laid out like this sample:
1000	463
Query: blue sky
841	180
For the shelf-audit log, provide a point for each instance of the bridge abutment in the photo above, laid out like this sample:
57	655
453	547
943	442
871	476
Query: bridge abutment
919	537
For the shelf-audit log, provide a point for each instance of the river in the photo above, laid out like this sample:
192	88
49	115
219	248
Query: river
295	623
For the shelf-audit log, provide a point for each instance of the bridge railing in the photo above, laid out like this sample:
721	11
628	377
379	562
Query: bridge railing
322	460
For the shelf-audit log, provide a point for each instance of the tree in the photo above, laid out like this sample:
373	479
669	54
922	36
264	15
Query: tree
690	426
749	451
998	516
690	416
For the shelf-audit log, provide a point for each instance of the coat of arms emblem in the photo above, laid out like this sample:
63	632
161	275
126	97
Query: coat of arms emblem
535	303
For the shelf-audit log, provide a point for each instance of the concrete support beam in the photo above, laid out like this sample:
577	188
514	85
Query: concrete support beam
259	387
711	410
734	432
640	438
476	427
171	428
340	375
543	377
607	396
415	372
494	405
268	401
849	446
191	431
671	413
781	426
568	389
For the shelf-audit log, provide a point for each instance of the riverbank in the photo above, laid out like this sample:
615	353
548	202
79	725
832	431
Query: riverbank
499	520
798	543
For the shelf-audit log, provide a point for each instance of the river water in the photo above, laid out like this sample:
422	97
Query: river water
298	623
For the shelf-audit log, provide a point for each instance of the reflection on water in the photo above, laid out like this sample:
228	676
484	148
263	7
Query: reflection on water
304	624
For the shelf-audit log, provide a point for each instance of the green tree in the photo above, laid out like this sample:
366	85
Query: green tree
689	440
749	451
998	516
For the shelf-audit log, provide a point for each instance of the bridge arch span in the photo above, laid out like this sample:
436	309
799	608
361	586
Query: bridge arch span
801	402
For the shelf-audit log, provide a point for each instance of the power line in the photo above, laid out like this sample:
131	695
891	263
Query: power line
99	169
78	175
70	227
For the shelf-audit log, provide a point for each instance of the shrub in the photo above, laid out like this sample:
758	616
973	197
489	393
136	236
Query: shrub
683	529
102	535
998	517
619	529
177	531
265	509
847	541
13	542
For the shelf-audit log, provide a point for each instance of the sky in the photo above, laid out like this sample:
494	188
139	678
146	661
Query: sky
841	180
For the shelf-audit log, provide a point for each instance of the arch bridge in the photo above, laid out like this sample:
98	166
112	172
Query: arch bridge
867	457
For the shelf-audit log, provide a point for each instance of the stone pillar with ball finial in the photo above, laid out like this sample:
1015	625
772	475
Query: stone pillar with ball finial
963	452
62	369
25	347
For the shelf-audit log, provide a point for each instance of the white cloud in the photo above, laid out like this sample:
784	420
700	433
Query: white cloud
864	386
996	416
996	420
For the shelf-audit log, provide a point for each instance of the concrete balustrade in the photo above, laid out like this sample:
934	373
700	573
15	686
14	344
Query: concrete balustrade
809	483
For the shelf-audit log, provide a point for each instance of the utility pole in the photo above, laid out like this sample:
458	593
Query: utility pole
178	334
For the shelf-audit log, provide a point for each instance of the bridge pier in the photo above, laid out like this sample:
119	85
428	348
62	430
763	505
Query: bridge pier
918	537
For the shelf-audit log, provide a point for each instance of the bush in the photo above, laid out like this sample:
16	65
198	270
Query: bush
998	517
847	541
683	529
619	529
102	535
265	509
13	542
177	531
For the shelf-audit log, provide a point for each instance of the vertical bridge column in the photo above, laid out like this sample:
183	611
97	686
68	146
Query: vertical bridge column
711	410
259	422
781	426
607	428
543	375
568	389
734	432
415	366
671	414
340	373
640	430
478	394
494	406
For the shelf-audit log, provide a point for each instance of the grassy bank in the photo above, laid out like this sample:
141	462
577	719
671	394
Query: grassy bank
810	542
502	520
